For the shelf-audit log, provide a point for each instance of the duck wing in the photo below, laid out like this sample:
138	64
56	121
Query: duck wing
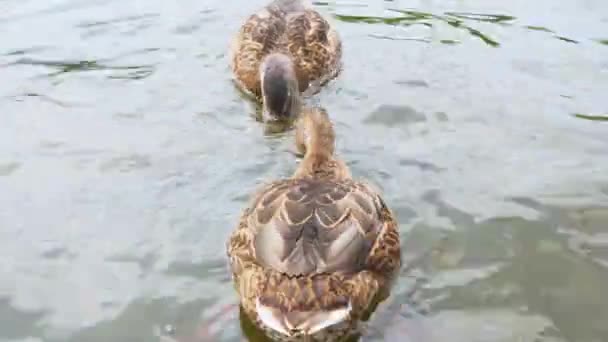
292	27
309	254
309	226
316	48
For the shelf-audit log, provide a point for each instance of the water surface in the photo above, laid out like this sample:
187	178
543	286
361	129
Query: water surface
126	156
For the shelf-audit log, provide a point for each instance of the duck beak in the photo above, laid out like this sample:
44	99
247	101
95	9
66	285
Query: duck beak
267	116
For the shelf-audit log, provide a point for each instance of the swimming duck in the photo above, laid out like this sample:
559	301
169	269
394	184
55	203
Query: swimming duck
283	51
313	252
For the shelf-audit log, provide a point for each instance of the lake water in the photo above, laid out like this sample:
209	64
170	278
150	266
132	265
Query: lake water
127	155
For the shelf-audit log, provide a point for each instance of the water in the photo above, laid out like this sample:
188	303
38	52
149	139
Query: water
126	156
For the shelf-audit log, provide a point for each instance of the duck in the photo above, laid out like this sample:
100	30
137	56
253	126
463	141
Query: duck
284	51
312	253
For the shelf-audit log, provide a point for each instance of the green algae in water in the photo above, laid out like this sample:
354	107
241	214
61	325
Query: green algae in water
592	117
538	28
566	39
602	41
490	18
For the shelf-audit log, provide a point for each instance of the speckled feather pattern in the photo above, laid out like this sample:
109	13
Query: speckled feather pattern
292	28
316	243
357	272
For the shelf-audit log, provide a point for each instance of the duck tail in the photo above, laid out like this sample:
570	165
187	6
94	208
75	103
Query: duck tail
301	322
304	305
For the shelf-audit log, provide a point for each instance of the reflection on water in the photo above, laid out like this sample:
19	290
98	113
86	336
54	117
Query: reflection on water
126	156
8	168
390	115
16	323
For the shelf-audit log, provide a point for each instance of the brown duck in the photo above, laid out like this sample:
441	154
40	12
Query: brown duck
282	51
314	252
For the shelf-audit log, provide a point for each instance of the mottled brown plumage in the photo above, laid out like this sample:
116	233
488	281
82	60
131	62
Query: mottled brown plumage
290	28
312	252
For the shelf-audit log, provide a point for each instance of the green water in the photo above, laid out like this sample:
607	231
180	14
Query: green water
126	156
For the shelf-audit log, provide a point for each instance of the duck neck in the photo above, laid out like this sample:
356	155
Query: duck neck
316	138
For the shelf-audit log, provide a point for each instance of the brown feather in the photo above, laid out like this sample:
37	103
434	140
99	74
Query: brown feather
314	246
289	27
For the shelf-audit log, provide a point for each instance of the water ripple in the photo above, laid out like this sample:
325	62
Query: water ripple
127	157
133	72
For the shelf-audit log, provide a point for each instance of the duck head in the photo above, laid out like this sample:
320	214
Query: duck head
280	90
